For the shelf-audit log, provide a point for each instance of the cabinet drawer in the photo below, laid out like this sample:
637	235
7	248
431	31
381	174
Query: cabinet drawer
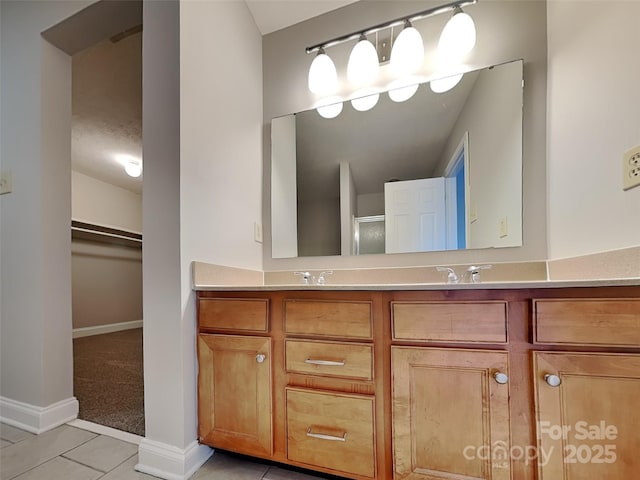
330	359
329	318
469	322
331	430
606	322
234	314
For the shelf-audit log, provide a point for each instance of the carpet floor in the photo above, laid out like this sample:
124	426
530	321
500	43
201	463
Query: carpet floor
108	379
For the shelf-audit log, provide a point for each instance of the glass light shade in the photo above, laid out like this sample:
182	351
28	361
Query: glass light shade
442	85
403	89
407	53
457	38
363	65
328	109
133	168
323	78
362	104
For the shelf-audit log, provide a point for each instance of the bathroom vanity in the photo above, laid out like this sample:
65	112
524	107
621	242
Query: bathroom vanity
425	381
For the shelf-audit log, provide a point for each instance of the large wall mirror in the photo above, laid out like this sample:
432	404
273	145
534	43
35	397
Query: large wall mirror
440	171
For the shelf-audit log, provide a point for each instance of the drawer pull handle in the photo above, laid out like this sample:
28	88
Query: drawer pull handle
324	436
333	363
501	378
552	380
260	357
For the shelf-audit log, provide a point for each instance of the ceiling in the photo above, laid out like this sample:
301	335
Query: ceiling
392	141
272	15
107	110
107	91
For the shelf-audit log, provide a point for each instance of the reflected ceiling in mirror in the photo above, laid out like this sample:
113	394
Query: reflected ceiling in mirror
443	171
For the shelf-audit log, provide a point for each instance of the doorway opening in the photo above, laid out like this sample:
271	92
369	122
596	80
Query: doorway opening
104	44
457	195
106	219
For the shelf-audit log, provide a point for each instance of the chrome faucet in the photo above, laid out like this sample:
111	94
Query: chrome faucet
321	279
474	272
452	277
307	278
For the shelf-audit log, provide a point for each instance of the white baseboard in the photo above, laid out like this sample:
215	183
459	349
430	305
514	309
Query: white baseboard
109	328
37	419
169	462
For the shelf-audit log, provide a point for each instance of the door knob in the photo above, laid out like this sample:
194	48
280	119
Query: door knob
260	357
501	378
552	380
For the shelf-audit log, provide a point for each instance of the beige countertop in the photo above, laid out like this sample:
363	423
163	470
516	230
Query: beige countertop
425	286
607	269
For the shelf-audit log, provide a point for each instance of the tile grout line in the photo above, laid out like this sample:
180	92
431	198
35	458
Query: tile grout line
83	464
96	435
48	459
118	465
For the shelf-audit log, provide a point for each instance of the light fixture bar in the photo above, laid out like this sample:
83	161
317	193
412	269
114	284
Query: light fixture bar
393	23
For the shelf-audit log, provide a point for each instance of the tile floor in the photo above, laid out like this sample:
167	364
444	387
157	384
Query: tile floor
70	453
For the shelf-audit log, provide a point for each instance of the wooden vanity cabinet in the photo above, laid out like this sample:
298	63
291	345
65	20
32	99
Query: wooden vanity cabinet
450	405
234	393
433	384
330	393
586	402
235	375
587	416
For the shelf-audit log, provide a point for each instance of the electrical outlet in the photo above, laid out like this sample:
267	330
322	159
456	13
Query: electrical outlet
6	182
257	232
503	230
631	168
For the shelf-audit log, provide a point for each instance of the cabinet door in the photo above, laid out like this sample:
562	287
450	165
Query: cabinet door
234	393
588	421
450	414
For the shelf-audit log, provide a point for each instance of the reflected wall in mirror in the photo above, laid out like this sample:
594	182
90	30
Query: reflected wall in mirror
441	171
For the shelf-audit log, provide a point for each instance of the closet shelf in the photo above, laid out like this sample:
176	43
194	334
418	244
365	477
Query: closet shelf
100	233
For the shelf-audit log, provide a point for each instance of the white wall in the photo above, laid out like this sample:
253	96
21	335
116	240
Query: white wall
507	30
101	203
492	115
221	133
593	117
284	195
202	105
35	246
370	204
348	206
107	284
319	227
220	147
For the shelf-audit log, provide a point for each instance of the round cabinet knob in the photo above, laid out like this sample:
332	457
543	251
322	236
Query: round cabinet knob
501	378
260	357
552	380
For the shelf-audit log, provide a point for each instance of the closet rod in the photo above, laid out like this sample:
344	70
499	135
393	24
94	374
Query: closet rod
106	234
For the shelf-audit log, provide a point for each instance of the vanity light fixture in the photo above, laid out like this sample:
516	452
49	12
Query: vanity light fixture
403	89
323	78
330	107
458	36
445	84
363	65
407	53
365	101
